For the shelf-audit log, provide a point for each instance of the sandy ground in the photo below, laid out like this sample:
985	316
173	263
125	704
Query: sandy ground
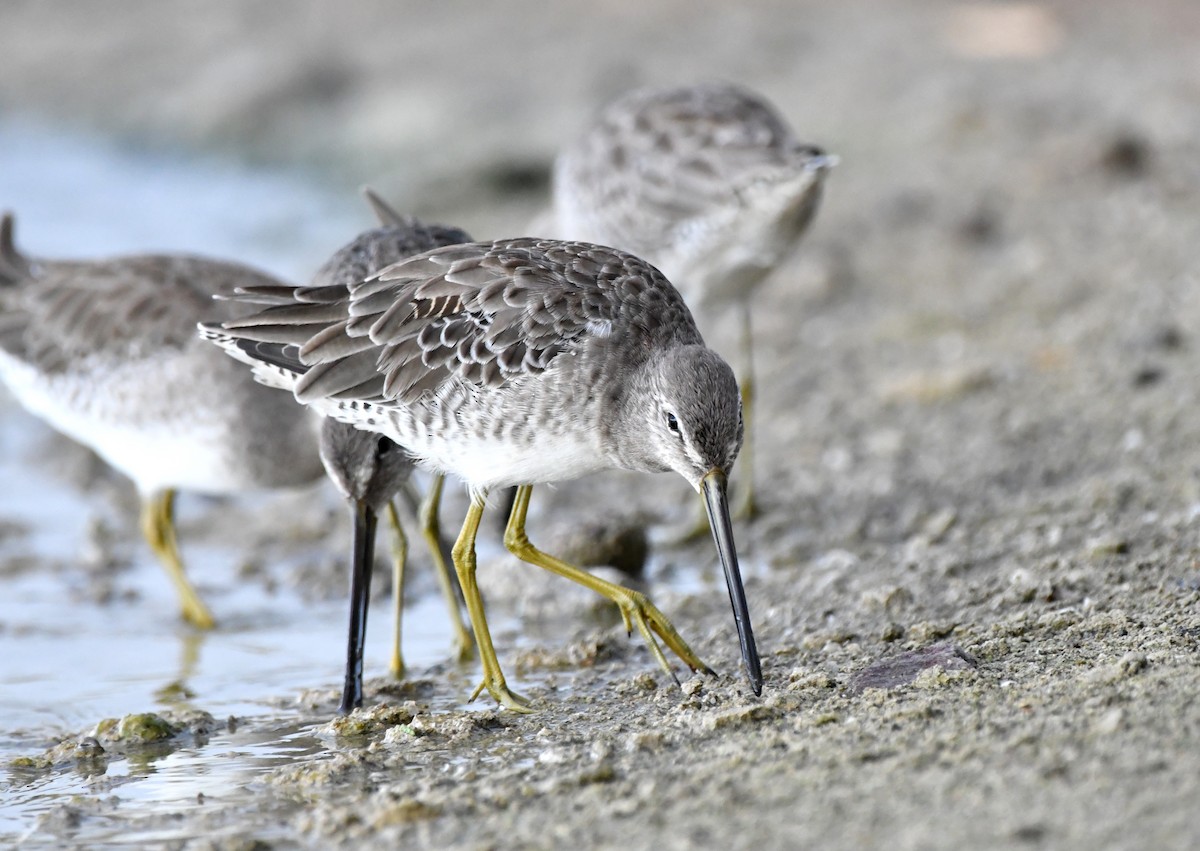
978	421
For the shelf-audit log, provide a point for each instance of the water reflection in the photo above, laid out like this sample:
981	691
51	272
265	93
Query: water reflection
177	694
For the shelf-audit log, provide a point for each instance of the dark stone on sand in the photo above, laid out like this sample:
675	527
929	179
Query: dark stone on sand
903	668
1127	155
617	542
1148	376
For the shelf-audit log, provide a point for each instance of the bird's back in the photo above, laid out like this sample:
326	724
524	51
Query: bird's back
107	352
62	315
656	159
705	181
375	249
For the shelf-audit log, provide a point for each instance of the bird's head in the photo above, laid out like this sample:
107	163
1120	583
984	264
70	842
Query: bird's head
366	467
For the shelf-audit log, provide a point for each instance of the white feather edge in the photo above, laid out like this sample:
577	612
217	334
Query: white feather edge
264	373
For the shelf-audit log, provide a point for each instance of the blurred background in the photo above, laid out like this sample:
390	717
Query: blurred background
455	110
990	317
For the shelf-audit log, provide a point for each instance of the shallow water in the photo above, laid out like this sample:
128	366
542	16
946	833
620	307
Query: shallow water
87	196
67	661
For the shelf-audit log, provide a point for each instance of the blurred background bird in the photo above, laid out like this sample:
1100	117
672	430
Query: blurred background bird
708	183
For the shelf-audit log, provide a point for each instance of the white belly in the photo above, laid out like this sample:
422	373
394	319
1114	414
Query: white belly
159	443
488	464
487	452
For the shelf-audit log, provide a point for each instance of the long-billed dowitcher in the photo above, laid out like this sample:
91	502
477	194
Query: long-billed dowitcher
705	181
521	362
370	469
106	352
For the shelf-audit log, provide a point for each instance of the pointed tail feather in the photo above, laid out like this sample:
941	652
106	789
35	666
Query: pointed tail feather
274	364
14	266
385	213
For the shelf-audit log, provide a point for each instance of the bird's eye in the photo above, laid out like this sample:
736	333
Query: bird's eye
672	423
383	447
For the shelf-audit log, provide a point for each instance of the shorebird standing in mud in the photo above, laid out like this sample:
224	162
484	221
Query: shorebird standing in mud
515	363
106	352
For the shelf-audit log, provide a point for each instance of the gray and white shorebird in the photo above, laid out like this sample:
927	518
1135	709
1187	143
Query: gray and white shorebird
369	469
106	352
516	363
705	181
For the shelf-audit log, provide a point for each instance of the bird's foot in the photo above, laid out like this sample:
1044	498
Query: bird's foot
397	668
637	610
506	697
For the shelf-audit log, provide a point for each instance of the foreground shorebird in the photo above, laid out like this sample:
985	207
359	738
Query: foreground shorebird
106	352
369	469
521	362
706	182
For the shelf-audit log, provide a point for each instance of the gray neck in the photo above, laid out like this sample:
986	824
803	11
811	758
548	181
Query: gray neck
623	421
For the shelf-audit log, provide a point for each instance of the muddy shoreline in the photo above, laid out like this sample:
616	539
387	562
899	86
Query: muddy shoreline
977	434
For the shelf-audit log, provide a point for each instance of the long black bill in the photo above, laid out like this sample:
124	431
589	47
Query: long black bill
718	519
362	561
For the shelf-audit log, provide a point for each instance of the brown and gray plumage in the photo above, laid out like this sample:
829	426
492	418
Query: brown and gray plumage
705	181
519	362
106	352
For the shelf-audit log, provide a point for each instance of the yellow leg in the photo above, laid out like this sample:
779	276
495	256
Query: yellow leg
745	508
158	527
464	564
635	608
431	528
399	561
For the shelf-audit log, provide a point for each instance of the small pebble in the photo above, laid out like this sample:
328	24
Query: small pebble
904	668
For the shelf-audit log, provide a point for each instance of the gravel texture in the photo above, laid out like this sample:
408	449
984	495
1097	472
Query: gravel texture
975	579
